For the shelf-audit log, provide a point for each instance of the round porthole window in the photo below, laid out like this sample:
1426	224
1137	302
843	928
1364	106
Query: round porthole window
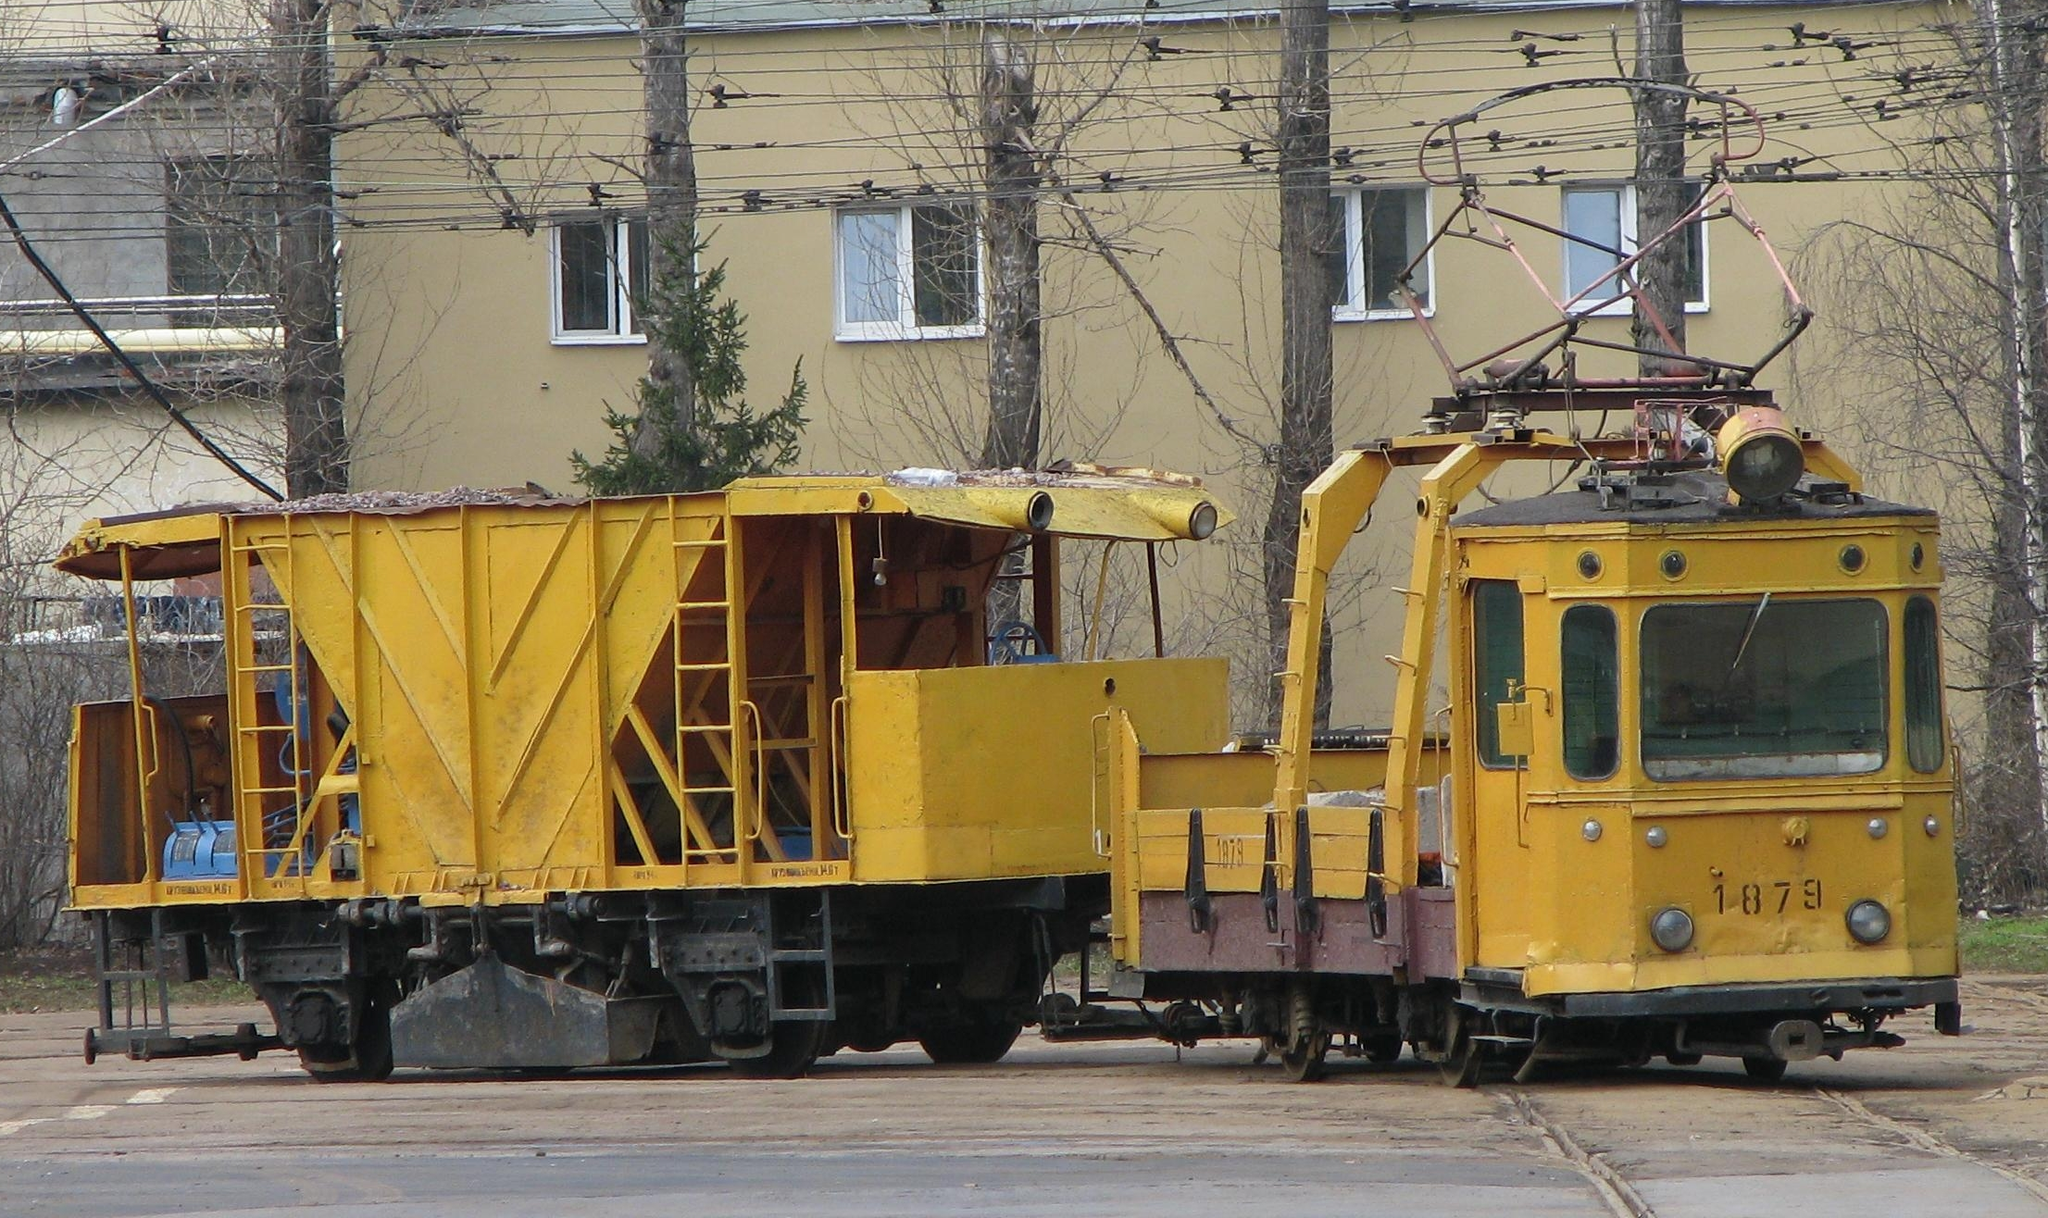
1672	564
1852	558
1589	565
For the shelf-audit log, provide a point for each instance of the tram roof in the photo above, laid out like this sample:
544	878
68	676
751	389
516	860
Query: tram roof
1681	499
1101	502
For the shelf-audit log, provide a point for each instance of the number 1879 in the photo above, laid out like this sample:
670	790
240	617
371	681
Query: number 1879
1775	897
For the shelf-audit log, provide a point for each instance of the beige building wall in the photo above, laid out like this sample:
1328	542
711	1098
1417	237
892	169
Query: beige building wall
448	308
79	440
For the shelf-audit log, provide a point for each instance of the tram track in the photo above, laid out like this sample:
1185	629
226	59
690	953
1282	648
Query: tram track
1622	1199
1613	1188
1931	1143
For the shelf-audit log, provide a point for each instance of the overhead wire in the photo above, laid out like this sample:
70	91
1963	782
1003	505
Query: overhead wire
127	362
746	176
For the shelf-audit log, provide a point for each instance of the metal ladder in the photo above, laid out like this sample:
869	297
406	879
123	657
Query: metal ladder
805	950
692	618
255	740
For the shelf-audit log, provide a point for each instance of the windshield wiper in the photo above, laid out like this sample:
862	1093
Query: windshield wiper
1748	632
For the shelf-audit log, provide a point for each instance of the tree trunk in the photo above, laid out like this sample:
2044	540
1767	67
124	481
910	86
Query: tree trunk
670	175
316	437
1306	442
1662	193
2018	114
1010	182
1010	179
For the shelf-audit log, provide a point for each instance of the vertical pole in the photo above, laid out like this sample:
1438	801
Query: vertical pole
1152	578
139	713
817	757
849	639
1045	589
849	636
603	830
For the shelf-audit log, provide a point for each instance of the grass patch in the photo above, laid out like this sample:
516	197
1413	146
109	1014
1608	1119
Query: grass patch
2005	944
56	980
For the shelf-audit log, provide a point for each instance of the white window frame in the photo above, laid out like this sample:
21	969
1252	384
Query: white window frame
625	330
1621	306
1353	306
905	327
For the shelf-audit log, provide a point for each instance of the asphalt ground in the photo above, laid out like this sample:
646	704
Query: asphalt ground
1939	1127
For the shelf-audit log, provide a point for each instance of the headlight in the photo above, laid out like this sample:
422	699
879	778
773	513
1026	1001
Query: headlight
1869	922
1760	456
1202	521
1671	928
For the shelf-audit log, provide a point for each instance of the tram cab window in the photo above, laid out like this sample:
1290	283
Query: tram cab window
1924	743
1592	694
1767	688
1496	659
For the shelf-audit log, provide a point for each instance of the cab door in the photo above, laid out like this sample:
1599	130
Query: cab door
1495	863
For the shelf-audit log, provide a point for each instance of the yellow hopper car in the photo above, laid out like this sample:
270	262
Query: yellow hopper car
507	781
1686	789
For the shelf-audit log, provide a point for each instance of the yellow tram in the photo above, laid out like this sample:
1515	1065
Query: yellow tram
1690	793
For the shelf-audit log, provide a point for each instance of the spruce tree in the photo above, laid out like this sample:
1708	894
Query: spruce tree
724	439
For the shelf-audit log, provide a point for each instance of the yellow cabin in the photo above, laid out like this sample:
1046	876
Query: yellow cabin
1690	792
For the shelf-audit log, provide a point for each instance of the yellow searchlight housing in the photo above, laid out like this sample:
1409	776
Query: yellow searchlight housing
1760	456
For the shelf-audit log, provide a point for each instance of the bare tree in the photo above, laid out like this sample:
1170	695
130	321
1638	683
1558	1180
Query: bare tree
992	113
1935	291
1662	193
308	282
1302	139
669	173
1010	218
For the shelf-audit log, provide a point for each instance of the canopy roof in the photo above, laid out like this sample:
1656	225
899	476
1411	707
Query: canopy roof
1086	501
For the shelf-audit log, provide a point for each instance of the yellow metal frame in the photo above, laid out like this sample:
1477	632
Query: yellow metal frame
538	694
1150	850
1332	508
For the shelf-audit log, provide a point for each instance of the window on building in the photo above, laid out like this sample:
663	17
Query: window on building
1592	693
1601	225
1496	659
1377	232
217	221
908	272
594	285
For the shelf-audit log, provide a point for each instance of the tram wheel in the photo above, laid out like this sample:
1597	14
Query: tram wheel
1764	1069
793	1047
979	1042
368	1060
1683	1059
1383	1049
1306	1062
1462	1068
1464	1057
